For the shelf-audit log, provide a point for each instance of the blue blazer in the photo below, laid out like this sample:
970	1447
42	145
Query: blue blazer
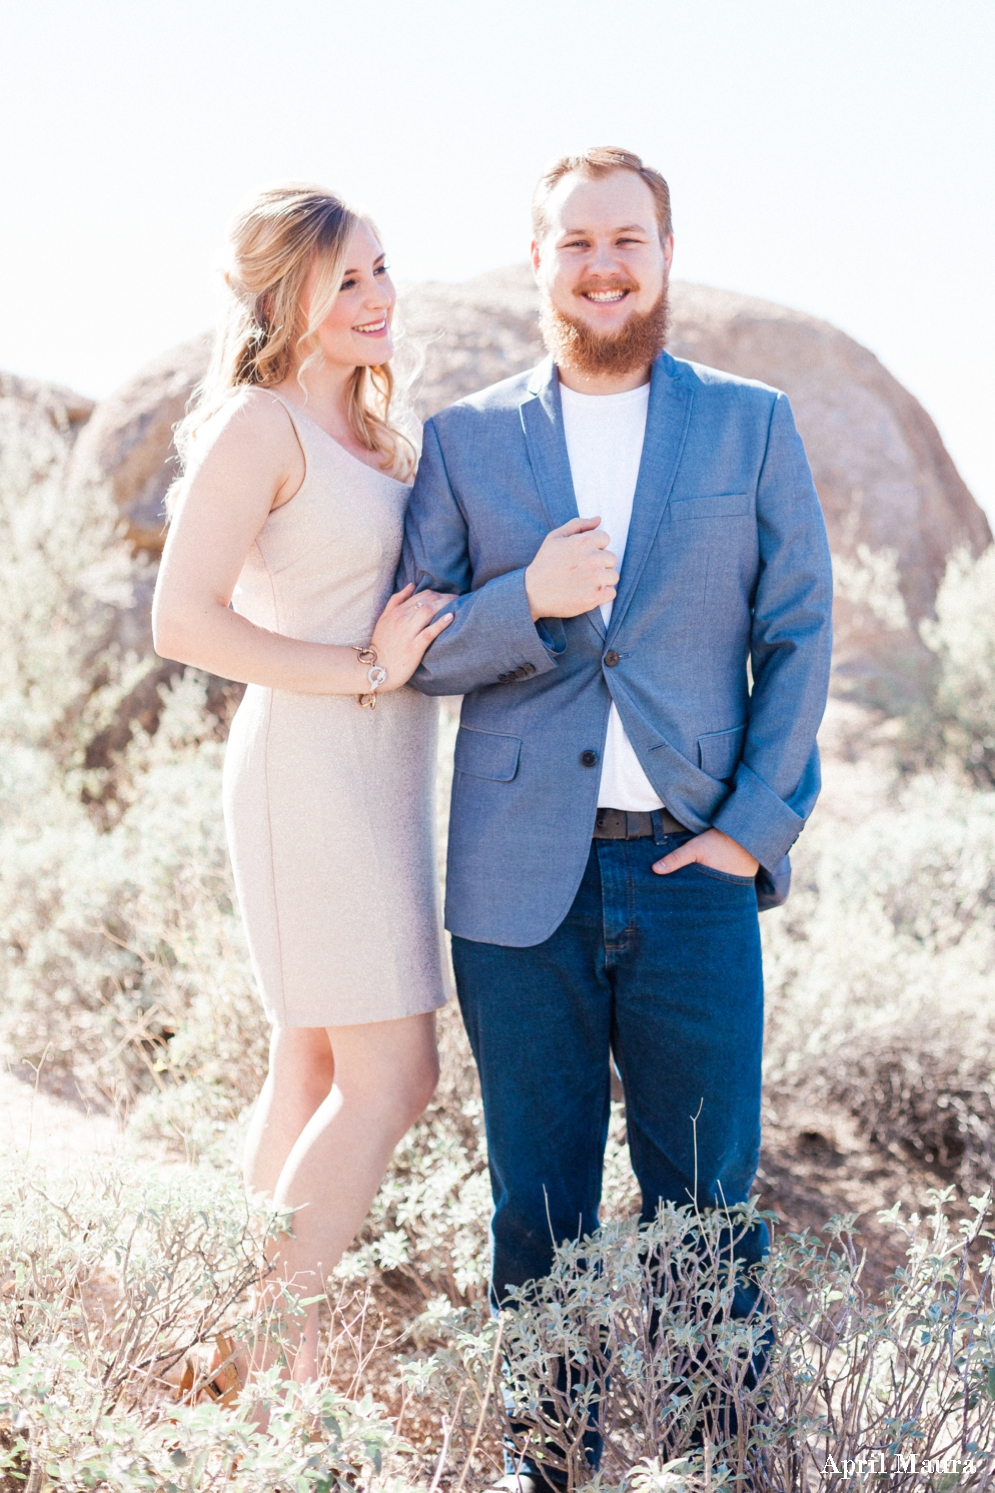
726	579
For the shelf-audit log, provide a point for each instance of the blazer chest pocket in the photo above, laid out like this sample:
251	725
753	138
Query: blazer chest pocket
486	754
714	505
719	752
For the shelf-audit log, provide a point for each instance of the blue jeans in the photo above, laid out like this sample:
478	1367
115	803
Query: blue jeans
663	971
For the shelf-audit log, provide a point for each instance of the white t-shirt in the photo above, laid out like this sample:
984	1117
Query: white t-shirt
604	443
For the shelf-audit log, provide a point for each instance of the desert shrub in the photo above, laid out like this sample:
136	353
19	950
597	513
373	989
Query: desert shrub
959	725
870	581
56	672
66	580
109	1284
936	682
117	938
113	1283
135	1268
882	663
879	972
318	1441
641	1317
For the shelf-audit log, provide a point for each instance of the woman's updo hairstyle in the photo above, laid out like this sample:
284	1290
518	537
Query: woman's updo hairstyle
264	332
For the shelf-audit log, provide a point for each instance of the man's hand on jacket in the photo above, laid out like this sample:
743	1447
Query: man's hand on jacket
714	849
573	572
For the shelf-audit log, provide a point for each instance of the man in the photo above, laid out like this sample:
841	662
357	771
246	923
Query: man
630	535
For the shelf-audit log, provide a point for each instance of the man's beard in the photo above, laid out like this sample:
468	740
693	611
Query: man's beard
575	345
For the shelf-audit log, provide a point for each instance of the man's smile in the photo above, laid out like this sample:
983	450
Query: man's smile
604	297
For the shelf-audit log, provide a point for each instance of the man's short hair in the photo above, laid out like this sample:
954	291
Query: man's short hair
600	160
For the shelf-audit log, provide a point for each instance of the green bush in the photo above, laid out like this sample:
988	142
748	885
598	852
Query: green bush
109	1282
641	1316
959	726
936	682
879	973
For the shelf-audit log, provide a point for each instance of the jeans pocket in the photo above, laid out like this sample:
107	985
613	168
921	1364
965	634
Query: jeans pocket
722	875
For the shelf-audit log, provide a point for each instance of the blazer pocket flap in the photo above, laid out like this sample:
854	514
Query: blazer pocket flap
485	754
719	752
714	505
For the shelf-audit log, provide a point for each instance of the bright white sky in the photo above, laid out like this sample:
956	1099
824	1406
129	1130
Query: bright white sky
835	155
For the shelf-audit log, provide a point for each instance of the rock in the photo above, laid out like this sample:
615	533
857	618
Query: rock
61	408
39	424
470	335
125	444
128	441
885	480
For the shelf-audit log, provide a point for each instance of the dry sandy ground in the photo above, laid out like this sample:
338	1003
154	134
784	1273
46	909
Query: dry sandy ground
34	1123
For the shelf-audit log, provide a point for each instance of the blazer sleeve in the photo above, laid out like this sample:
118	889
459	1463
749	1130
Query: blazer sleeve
778	780
492	638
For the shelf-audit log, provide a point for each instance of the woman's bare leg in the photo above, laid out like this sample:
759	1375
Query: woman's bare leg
300	1077
384	1075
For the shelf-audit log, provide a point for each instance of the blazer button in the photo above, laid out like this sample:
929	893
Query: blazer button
589	758
611	659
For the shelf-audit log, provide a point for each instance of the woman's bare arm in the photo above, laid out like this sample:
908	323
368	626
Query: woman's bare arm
250	461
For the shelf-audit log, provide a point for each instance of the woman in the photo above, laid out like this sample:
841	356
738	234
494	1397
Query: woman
277	571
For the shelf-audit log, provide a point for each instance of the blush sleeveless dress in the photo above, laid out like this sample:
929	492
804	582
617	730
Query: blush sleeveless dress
329	807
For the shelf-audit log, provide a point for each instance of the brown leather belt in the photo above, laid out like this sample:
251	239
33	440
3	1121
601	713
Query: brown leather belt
628	824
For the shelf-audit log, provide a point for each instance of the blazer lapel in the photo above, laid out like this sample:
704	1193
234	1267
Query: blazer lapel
542	421
667	420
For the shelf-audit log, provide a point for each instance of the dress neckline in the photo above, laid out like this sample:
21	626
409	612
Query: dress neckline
297	410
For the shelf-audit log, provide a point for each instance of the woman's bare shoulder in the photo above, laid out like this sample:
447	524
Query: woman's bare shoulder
251	427
248	412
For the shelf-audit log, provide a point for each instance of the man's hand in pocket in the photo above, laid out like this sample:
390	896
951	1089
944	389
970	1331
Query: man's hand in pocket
714	849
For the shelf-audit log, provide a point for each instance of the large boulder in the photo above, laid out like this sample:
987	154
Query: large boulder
44	420
128	442
887	485
467	336
883	474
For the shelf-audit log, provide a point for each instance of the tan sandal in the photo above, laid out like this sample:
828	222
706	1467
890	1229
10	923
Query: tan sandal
220	1381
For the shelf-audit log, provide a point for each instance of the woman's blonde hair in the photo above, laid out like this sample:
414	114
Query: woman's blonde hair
264	332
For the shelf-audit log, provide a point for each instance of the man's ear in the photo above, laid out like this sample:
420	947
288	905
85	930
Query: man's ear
534	256
668	251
